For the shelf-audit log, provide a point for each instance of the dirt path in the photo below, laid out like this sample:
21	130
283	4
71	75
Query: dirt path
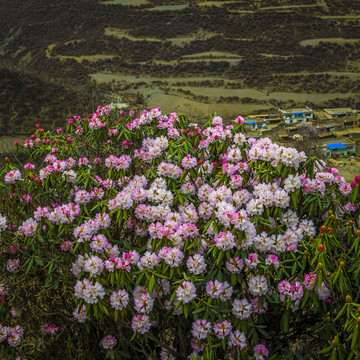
340	41
168	7
49	50
178	41
91	58
284	7
126	2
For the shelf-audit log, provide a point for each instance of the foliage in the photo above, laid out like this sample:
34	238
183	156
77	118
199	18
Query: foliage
139	238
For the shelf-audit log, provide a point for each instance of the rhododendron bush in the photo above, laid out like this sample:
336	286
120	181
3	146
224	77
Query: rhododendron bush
136	237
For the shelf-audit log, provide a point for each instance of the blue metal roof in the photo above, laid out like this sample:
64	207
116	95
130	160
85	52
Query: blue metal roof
336	146
251	122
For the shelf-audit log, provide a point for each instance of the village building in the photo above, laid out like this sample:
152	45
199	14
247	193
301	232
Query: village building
292	116
263	124
325	129
270	119
337	119
338	147
338	113
256	124
332	125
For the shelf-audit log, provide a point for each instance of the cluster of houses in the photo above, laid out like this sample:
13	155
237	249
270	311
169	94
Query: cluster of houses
332	127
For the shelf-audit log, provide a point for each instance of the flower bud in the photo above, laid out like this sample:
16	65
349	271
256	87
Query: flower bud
320	266
348	299
342	265
321	248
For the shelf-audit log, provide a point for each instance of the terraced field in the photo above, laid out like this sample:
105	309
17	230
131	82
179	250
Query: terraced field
237	56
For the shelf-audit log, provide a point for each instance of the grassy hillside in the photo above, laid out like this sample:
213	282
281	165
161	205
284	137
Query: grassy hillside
258	54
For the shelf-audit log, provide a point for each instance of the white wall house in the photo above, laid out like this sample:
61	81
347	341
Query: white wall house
341	112
292	116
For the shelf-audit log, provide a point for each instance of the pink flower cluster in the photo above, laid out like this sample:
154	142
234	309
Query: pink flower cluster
108	342
292	292
50	329
202	328
88	291
12	176
13	265
121	163
13	335
222	211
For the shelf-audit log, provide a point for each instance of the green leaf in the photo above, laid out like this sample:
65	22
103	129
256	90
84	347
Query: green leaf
207	226
215	227
233	280
220	257
39	262
173	296
354	194
326	350
355	335
333	355
51	267
199	310
186	310
285	321
305	298
29	266
341	312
